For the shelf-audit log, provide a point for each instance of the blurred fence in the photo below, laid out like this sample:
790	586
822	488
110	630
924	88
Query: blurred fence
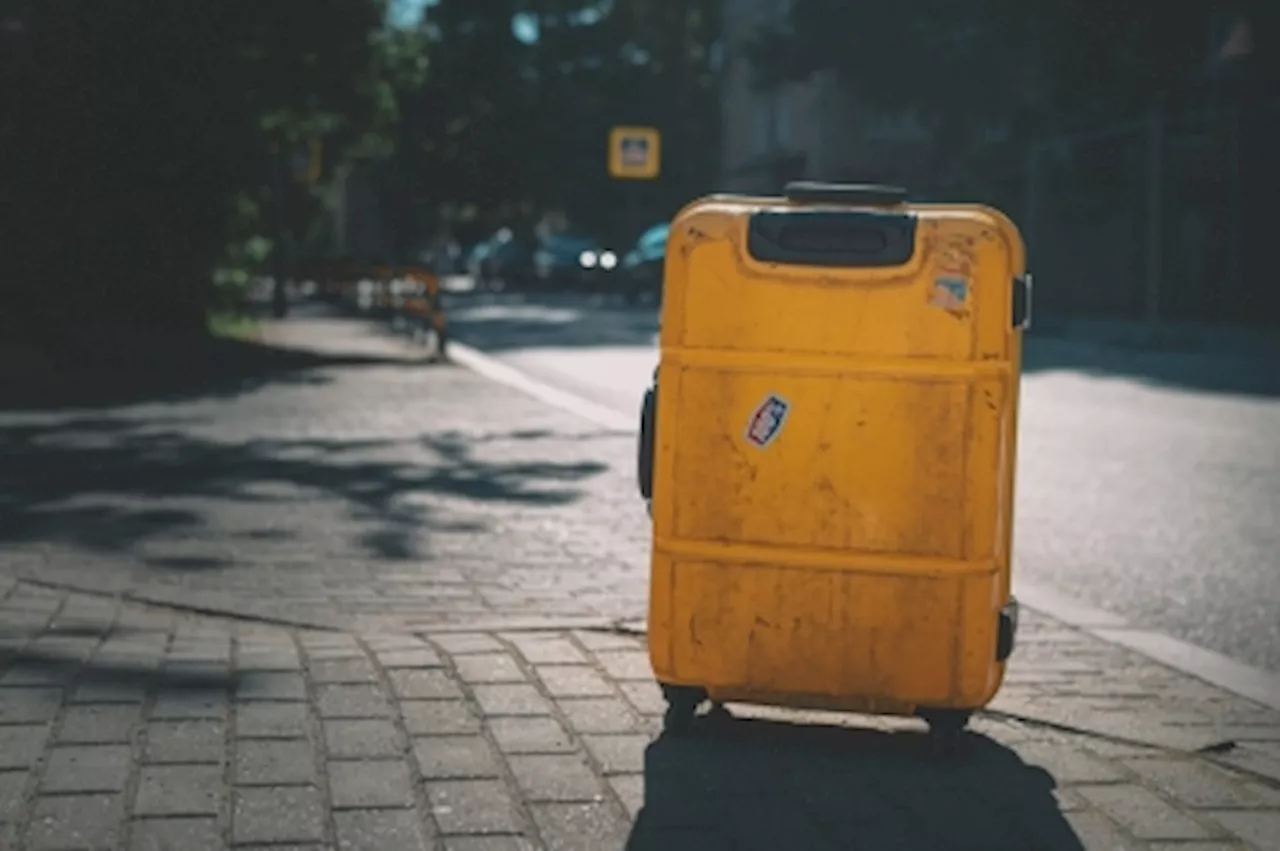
1161	219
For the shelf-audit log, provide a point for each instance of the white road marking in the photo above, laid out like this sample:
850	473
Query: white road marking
496	370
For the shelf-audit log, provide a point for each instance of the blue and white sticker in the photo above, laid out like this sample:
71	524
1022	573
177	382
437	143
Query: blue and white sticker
767	420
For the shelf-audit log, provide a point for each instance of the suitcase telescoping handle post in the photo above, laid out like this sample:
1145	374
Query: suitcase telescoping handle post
856	194
835	225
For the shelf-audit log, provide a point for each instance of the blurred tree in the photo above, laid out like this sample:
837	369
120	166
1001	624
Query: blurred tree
522	94
140	135
642	62
1028	67
471	120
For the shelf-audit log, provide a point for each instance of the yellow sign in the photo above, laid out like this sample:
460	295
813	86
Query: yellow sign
634	152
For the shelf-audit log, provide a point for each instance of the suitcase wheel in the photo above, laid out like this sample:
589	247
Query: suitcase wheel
682	706
946	728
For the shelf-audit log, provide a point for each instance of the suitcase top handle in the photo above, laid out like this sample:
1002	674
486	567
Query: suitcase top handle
868	194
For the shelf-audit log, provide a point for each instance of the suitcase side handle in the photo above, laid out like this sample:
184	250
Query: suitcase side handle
863	194
833	238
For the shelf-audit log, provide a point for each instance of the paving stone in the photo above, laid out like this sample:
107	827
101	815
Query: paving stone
86	768
626	665
1143	813
1195	783
333	654
21	745
424	684
317	642
490	843
455	757
278	814
540	650
473	806
1091	830
269	660
270	685
275	762
182	834
489	668
582	827
29	705
176	705
185	741
645	697
344	671
556	777
530	735
380	830
418	658
1069	800
110	691
574	681
599	715
1257	827
460	643
497	700
361	738
599	641
1119	750
1268	797
370	783
1068	765
179	790
12	785
74	821
630	790
619	754
351	701
271	720
438	717
26	674
96	724
1262	758
183	672
1193	846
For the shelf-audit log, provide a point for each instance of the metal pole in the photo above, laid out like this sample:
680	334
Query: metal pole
1155	174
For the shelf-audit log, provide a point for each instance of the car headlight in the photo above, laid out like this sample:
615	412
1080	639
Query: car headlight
588	259
608	260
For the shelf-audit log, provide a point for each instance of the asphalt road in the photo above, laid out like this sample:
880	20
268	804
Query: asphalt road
1149	483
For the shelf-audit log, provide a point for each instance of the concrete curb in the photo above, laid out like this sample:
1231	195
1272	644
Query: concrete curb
1258	685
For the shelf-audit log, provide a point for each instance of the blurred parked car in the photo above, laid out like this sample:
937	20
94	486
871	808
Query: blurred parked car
572	260
474	257
642	265
505	261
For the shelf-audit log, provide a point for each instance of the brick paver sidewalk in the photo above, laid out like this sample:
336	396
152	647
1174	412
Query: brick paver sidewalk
132	727
465	550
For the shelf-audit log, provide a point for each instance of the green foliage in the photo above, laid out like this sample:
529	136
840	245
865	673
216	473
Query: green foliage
507	125
148	144
1061	61
144	136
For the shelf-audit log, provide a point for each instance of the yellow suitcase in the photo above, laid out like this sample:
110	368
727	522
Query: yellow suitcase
830	466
